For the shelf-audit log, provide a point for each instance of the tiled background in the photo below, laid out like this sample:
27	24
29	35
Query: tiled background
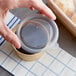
55	62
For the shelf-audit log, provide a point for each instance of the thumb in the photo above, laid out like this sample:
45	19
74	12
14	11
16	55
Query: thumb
9	35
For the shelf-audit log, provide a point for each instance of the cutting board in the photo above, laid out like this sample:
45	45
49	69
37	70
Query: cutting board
67	22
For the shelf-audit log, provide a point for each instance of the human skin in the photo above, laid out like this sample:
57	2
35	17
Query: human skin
6	5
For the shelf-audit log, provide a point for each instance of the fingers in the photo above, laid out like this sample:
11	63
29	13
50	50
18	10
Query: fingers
9	36
39	5
45	10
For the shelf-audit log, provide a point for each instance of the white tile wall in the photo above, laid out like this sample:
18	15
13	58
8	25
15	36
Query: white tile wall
9	64
6	47
49	73
26	64
64	57
56	67
72	64
54	51
68	72
29	74
38	69
2	57
14	56
46	59
19	71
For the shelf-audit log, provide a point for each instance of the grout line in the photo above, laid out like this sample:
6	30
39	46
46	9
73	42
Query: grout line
16	66
61	62
28	70
52	61
66	64
17	62
48	68
6	57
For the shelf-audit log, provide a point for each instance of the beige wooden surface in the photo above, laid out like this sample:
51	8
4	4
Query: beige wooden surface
66	20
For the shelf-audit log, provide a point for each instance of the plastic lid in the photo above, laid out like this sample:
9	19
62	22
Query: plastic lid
37	32
34	35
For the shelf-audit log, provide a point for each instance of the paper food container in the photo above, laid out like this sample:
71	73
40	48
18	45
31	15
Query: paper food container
37	34
66	12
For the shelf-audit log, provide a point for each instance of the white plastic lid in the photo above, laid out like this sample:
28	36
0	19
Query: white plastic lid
37	32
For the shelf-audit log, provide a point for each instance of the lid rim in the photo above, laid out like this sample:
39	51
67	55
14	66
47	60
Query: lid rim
45	18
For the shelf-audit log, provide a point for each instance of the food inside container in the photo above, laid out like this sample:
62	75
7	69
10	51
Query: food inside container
68	7
66	12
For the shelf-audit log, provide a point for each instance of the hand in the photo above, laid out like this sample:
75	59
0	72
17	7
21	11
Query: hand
5	5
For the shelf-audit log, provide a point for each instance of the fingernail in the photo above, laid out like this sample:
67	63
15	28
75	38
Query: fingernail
18	45
53	17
